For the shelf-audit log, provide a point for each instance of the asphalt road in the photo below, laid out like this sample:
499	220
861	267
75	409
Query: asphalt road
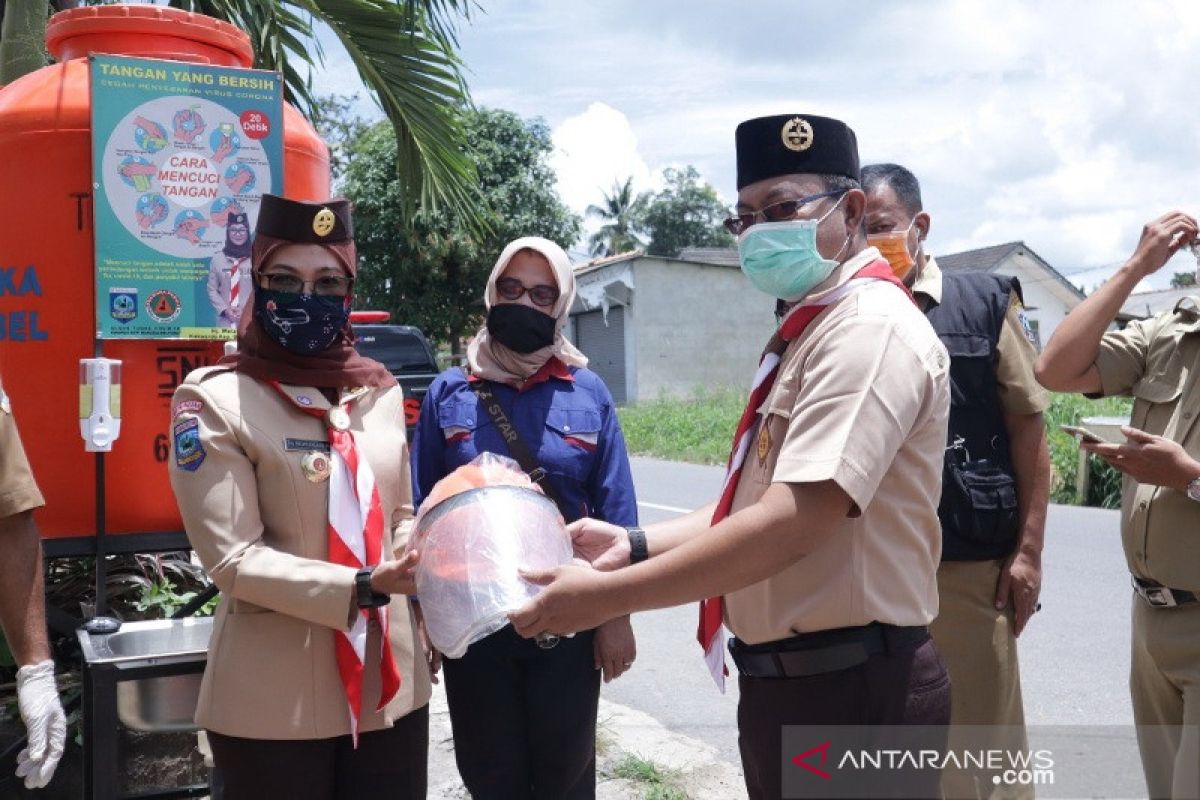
1074	654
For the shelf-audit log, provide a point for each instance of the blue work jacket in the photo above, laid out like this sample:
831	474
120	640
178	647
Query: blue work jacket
564	415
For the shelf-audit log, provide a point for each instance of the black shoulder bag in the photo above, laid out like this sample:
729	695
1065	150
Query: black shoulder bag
516	445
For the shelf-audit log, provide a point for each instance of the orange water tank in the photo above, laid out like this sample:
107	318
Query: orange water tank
47	285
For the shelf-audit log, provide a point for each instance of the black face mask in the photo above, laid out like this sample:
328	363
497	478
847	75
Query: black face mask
520	328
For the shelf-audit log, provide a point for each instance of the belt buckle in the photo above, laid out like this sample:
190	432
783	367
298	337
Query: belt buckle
1158	596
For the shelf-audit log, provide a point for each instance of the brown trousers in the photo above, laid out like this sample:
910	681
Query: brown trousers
905	687
389	764
979	647
1165	684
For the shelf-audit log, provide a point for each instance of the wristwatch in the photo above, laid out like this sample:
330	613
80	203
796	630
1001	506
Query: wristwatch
1193	489
638	551
364	595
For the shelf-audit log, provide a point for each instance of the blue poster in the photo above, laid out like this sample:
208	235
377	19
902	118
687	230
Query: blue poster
181	156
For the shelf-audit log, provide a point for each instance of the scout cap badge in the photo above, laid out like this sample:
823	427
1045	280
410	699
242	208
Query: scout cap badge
302	222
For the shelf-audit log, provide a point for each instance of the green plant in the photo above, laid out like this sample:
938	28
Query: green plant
660	782
1104	482
697	429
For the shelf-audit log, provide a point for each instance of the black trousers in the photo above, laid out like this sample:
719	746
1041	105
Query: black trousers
908	686
524	718
389	764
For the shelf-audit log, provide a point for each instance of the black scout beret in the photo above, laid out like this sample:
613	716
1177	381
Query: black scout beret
238	219
304	222
790	144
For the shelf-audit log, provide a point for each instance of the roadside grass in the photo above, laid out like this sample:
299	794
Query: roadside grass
658	782
699	429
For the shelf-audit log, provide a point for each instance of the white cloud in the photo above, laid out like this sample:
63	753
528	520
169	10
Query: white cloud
592	151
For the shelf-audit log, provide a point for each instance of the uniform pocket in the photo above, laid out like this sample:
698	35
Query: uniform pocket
575	435
1154	400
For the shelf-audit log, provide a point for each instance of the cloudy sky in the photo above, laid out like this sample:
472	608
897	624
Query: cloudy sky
1064	124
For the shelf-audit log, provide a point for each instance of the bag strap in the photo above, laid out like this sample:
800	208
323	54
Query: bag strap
516	445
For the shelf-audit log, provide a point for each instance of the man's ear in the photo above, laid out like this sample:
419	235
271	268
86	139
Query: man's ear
855	204
921	221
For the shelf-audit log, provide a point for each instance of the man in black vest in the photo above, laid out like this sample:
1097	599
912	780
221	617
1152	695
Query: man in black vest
996	481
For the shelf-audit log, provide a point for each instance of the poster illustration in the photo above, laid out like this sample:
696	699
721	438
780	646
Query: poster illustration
181	156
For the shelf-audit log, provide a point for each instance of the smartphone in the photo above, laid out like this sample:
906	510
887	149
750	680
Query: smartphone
1084	434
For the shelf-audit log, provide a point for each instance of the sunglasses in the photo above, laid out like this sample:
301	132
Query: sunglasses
542	295
776	212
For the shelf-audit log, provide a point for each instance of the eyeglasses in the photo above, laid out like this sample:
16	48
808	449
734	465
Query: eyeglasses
776	212
541	295
326	285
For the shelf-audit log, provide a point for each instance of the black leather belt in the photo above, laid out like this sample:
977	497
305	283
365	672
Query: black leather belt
822	651
1159	596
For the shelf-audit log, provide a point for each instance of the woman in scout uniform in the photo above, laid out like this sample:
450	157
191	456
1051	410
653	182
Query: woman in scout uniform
290	466
543	699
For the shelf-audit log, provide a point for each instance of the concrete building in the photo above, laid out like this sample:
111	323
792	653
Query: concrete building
654	326
1151	304
1048	295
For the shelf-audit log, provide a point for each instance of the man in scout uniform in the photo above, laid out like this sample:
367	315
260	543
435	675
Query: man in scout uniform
993	515
1157	361
23	608
825	541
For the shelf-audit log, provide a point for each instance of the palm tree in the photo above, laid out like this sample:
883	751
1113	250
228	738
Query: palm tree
404	51
620	212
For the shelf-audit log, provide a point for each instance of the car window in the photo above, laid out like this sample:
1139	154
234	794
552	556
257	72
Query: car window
397	350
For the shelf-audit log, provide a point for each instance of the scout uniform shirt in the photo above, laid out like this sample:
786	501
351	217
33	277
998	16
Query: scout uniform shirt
256	513
862	399
18	491
1019	391
1157	361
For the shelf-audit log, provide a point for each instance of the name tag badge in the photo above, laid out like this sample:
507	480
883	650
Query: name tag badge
304	445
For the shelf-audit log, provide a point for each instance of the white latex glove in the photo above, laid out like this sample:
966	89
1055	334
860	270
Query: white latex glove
45	724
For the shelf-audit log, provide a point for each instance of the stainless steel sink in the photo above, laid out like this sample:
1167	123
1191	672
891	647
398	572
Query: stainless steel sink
154	703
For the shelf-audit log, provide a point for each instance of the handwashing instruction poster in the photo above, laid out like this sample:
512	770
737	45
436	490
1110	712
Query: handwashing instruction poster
178	150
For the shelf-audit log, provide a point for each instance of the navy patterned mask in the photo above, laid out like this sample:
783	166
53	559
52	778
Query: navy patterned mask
301	323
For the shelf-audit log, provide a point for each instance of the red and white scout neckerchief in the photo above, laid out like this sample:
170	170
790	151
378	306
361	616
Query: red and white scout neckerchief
711	632
235	283
355	540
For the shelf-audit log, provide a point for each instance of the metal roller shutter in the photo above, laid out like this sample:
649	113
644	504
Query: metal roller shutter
604	345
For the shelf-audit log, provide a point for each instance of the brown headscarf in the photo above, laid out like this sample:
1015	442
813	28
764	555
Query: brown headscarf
490	360
337	366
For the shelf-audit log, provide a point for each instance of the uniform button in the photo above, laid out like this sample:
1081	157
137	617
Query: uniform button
567	428
470	422
1142	506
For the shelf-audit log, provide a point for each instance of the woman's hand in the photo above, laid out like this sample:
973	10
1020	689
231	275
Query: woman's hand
398	576
603	545
615	648
433	656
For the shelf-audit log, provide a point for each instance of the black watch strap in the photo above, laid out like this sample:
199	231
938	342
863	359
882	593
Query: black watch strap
364	595
638	550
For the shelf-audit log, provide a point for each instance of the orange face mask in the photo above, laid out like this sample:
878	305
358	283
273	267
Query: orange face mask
893	246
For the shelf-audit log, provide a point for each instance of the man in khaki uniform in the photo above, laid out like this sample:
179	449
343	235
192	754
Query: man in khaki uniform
988	586
827	557
1157	361
22	608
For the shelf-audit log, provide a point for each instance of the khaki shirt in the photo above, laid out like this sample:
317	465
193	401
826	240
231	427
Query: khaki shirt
259	527
1019	391
1157	361
18	491
861	398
